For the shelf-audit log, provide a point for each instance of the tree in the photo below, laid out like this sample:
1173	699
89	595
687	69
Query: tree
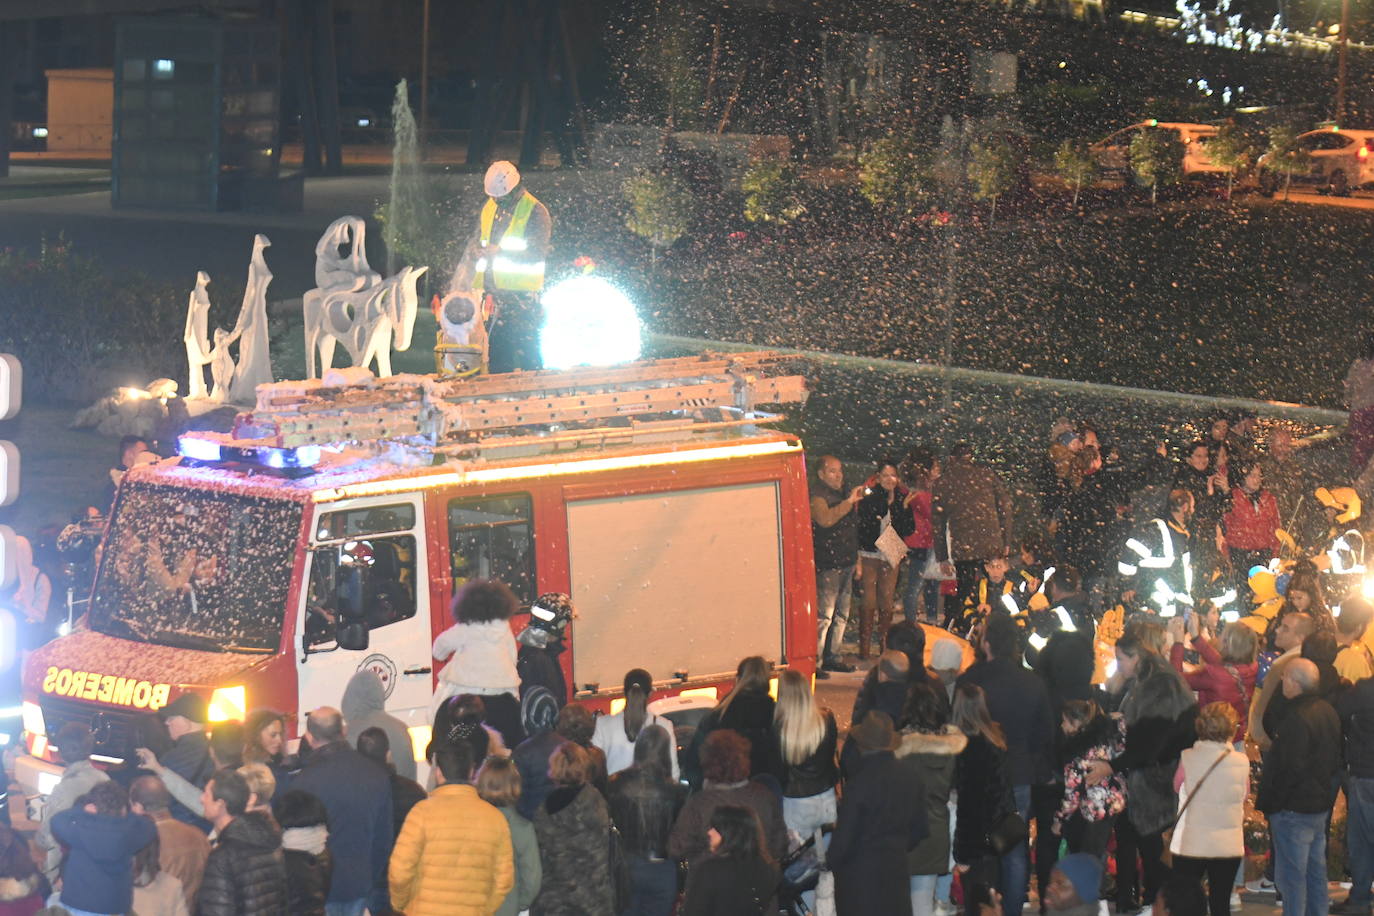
991	168
1157	159
1285	155
661	208
772	193
1233	149
1075	166
896	174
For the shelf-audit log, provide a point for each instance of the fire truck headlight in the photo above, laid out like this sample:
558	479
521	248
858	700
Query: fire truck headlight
229	704
588	322
33	718
419	741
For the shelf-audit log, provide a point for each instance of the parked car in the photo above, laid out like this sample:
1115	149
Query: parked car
1338	160
1113	154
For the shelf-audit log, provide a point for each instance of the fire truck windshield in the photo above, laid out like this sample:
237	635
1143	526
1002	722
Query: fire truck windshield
196	569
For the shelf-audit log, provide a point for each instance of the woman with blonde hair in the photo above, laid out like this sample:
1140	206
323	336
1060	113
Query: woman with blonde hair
747	709
498	784
1212	781
807	739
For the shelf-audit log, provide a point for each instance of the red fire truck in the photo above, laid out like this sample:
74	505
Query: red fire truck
327	532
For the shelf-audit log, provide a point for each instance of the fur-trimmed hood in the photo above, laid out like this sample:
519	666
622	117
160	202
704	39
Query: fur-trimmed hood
12	889
950	743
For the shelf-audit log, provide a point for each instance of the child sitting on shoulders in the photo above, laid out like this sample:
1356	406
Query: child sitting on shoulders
481	652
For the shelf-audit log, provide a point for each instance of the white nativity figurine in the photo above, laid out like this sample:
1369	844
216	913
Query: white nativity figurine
354	306
254	366
196	336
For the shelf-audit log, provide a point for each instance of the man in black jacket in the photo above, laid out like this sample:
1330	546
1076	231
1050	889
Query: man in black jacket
1356	709
189	755
835	538
883	815
357	794
246	871
1298	789
1017	700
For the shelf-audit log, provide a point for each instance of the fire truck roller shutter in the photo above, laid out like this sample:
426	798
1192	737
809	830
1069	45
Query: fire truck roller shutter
689	580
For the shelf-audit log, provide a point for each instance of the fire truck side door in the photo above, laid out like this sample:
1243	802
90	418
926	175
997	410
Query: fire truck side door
384	536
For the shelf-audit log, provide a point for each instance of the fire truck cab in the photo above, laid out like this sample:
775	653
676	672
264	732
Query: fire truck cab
328	531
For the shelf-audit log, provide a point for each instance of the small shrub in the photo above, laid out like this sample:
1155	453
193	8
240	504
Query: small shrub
1286	156
991	168
1157	159
1232	149
1075	166
772	193
74	324
897	174
661	208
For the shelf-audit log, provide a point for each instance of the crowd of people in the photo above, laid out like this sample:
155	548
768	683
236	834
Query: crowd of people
1086	704
1169	650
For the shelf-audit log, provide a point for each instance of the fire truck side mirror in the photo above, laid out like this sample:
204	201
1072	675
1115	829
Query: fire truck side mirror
352	634
351	630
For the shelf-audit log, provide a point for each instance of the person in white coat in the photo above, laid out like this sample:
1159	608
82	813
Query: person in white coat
1213	780
615	735
480	652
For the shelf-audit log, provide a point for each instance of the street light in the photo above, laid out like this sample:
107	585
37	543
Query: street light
1339	112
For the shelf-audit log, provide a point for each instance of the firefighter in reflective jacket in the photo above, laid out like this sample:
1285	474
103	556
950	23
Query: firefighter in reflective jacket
513	232
1156	564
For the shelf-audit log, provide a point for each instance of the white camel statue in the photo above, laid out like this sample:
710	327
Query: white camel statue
353	305
369	323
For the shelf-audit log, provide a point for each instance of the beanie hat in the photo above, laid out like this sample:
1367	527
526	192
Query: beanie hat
947	655
1084	873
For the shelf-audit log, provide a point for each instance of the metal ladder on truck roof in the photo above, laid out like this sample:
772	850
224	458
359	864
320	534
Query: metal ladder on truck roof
535	412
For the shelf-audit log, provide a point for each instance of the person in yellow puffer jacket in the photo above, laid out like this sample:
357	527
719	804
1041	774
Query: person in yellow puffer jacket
454	854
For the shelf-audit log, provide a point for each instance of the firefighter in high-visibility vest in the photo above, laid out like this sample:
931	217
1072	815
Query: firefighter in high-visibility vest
512	245
1156	564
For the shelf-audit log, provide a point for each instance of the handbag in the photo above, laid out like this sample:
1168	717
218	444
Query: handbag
1008	833
934	570
620	870
1167	856
890	544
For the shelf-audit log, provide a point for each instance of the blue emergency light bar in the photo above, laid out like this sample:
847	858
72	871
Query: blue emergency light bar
269	456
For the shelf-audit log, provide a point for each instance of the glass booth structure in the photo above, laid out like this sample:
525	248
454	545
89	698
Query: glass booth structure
196	114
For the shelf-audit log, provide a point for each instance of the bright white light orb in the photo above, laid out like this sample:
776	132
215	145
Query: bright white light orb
588	322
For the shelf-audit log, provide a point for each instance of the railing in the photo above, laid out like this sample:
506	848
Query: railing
862	408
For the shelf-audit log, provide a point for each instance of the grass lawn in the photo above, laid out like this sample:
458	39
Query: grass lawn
1257	299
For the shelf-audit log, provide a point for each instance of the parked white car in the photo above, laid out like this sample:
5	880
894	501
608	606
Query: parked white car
1338	160
1113	154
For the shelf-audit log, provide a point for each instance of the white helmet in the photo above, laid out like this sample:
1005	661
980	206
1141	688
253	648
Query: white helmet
501	179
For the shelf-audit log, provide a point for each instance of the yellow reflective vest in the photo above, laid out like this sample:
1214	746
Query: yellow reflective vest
509	267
